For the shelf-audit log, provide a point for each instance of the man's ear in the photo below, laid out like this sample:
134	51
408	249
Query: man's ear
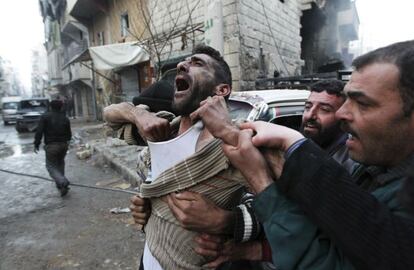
222	90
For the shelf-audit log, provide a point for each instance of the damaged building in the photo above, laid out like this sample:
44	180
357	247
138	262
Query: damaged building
125	45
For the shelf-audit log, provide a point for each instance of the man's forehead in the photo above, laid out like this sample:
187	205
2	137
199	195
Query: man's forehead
201	56
324	97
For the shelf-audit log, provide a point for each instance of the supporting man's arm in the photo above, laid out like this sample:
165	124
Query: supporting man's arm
371	229
296	242
150	127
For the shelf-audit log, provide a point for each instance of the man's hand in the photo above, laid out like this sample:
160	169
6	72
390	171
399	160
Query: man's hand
197	213
214	246
36	149
151	127
140	209
215	116
272	135
248	159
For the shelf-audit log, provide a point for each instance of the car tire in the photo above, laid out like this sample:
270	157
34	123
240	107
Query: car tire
6	123
19	129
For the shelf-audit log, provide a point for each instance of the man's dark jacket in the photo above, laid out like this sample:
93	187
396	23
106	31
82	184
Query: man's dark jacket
55	127
318	216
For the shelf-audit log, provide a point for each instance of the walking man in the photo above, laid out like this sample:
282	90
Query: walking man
54	126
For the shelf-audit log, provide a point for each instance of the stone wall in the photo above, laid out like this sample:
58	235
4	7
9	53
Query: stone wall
248	25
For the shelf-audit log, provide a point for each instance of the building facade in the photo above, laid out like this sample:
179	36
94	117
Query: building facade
129	44
10	84
65	38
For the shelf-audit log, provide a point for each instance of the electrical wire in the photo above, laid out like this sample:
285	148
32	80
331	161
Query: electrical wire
71	184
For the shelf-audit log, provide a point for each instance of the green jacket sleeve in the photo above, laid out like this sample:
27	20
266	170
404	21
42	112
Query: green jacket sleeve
295	241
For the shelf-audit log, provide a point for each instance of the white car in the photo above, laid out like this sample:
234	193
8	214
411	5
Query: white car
279	106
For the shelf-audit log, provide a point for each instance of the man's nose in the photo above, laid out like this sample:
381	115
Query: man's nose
343	113
183	66
312	113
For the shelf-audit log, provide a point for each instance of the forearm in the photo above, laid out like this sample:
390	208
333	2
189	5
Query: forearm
39	133
295	241
123	113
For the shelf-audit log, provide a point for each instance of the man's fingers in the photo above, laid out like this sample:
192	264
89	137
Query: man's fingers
248	125
208	245
245	138
175	208
219	260
138	201
186	195
194	116
134	208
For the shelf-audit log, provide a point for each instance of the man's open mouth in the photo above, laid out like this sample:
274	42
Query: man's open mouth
181	84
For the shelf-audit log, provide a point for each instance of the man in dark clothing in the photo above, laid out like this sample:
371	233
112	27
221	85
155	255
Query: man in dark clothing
315	214
55	127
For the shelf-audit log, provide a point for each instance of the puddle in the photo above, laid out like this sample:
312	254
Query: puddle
14	150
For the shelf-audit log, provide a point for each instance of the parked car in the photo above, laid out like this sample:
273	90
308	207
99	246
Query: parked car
29	113
279	106
9	106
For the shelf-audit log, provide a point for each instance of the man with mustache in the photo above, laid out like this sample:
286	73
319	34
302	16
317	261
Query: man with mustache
319	122
207	171
336	220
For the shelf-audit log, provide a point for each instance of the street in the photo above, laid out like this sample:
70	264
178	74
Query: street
41	230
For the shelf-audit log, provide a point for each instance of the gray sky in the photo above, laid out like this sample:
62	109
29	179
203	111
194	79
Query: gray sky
385	21
21	28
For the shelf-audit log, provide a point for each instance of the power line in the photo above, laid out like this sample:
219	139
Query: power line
71	184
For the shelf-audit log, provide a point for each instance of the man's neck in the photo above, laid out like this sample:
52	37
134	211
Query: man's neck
205	135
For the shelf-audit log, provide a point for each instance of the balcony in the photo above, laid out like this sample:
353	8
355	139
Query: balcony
86	9
54	60
76	72
348	23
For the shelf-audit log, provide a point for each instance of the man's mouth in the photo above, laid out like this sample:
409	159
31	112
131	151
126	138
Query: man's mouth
181	84
347	129
311	125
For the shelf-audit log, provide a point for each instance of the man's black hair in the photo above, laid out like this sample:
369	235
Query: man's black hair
223	74
56	105
401	55
158	96
332	87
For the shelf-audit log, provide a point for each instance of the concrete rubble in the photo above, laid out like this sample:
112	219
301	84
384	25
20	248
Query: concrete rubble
98	140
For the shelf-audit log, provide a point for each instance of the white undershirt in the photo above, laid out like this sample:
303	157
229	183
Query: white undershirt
149	261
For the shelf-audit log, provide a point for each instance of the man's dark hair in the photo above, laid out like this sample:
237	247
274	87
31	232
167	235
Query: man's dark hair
158	96
401	55
332	87
223	73
56	105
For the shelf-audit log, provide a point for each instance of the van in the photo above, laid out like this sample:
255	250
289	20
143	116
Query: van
10	106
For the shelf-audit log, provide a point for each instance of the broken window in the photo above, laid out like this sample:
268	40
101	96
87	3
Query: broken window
101	38
124	24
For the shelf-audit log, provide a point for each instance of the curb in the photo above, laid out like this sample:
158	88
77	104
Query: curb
126	172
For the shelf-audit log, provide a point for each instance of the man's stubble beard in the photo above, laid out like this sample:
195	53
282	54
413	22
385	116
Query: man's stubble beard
190	103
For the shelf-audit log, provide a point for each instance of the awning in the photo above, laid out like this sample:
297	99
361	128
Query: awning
117	55
113	56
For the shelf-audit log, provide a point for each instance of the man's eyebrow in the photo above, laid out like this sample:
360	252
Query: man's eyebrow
196	58
354	94
326	104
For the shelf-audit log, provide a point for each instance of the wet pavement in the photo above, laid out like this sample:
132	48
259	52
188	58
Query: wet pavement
41	230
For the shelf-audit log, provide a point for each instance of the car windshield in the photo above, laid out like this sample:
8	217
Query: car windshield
34	104
10	106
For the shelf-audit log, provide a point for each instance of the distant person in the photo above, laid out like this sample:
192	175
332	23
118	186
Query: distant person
55	127
70	107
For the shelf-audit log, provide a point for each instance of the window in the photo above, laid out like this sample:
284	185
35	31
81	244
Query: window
101	39
124	24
